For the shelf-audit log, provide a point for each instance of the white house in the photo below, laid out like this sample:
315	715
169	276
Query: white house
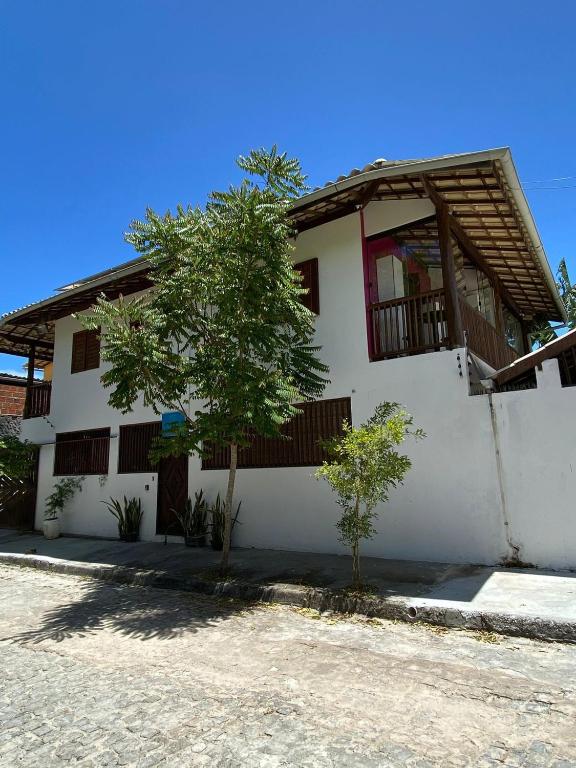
424	276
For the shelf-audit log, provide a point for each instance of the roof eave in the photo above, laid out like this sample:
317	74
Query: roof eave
413	167
522	203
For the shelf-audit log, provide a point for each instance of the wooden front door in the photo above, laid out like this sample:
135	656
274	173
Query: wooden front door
172	493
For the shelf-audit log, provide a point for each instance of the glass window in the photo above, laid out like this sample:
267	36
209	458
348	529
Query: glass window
405	263
513	330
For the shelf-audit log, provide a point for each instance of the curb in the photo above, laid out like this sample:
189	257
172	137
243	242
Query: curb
409	610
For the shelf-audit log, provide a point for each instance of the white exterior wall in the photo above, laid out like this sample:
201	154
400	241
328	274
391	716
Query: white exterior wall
535	435
450	506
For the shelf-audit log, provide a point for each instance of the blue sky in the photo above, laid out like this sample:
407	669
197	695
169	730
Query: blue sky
108	107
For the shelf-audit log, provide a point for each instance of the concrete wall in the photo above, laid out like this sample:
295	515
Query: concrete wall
535	437
450	508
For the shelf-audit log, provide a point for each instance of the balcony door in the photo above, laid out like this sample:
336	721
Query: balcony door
405	290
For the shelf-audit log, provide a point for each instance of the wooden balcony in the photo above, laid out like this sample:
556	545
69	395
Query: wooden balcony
409	326
415	324
484	340
38	400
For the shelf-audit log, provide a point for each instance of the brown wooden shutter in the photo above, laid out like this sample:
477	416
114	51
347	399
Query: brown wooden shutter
309	271
82	453
85	351
134	448
319	421
78	351
92	359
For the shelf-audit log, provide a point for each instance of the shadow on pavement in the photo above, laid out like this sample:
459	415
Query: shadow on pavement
136	612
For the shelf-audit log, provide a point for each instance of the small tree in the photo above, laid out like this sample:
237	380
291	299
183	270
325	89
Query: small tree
223	336
363	466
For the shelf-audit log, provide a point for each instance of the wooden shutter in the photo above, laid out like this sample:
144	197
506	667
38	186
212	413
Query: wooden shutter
78	351
301	444
85	351
82	453
309	271
135	444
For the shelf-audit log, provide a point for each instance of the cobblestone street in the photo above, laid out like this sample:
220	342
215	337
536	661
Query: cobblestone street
98	674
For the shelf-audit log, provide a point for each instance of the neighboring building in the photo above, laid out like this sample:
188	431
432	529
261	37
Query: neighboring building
424	276
12	394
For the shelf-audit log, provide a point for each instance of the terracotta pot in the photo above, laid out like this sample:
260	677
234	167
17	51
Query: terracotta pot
51	528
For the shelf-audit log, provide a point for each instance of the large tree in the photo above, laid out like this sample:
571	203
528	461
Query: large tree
222	336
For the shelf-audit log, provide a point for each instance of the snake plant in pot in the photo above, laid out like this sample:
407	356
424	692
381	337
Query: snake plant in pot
193	519
217	517
129	515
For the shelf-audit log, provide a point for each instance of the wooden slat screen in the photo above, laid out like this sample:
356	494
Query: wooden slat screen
82	453
85	351
319	421
134	447
309	271
567	365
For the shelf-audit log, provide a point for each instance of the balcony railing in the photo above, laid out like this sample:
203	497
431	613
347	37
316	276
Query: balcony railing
415	324
38	400
484	340
409	326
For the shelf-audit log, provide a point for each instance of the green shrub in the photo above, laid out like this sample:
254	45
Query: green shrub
129	515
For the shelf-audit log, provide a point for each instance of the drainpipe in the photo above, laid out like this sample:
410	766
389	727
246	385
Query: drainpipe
512	548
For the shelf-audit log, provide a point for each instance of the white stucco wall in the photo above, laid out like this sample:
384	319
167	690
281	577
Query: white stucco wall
450	506
535	435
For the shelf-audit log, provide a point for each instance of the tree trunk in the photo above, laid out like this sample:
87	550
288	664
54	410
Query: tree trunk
356	550
228	508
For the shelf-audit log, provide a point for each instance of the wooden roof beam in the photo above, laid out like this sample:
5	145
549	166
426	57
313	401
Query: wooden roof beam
469	247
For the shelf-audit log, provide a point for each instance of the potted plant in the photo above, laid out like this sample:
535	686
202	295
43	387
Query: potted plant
217	523
63	491
129	515
193	519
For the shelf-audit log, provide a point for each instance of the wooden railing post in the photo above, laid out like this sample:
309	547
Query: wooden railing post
454	316
30	378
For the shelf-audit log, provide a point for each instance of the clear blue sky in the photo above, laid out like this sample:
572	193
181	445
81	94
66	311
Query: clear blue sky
111	106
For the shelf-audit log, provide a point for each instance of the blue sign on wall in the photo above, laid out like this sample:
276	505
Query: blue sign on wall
170	420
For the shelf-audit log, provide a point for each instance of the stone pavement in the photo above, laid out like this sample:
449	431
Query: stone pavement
527	602
102	674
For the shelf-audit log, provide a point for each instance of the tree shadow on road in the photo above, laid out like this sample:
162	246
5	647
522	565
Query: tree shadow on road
136	612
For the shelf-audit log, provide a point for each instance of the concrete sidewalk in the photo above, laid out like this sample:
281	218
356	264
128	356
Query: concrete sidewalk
526	602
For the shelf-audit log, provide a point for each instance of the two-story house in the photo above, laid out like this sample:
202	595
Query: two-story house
424	276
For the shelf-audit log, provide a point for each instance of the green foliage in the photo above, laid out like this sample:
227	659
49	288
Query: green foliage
223	325
542	331
64	490
129	514
217	520
194	517
222	336
16	458
363	467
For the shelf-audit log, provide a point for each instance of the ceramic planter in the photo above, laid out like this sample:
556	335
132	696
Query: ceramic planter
51	528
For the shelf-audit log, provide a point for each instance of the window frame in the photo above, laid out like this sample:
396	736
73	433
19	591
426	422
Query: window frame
309	271
122	435
219	458
81	349
89	439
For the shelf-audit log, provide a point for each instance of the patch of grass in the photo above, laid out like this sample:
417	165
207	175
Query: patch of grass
365	590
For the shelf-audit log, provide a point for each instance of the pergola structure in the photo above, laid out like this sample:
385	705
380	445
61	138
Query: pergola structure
479	203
